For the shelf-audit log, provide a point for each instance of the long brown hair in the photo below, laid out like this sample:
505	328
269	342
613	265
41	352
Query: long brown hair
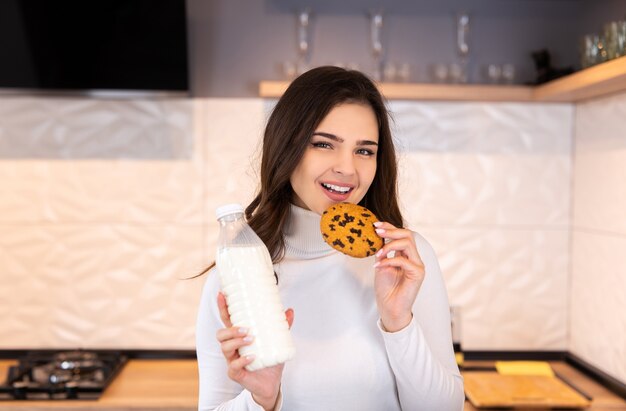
303	106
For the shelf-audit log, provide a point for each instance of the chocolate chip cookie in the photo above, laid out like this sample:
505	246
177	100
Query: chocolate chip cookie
349	228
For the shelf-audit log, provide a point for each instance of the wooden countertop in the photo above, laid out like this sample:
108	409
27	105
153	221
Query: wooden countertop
597	81
143	384
602	398
173	385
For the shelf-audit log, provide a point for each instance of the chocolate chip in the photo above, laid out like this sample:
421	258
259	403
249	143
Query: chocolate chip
337	217
356	231
332	227
366	215
368	253
338	242
351	239
361	223
325	235
369	242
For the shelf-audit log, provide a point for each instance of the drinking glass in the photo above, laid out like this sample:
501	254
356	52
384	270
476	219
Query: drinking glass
493	73
615	39
508	73
592	50
404	72
456	73
389	72
460	73
289	70
439	72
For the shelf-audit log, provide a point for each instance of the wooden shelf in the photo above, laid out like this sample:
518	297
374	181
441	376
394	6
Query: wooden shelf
597	81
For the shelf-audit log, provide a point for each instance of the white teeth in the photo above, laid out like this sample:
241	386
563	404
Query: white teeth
337	188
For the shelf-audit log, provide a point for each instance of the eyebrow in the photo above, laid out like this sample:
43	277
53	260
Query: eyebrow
340	140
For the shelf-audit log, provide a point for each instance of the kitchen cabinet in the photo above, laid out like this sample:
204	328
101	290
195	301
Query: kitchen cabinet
596	81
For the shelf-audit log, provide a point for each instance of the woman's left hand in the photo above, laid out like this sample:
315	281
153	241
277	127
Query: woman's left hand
398	279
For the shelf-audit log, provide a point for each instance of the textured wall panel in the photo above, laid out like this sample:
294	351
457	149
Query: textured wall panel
232	138
232	144
98	244
76	128
598	323
98	285
504	128
510	284
122	186
600	191
38	191
486	189
489	186
598	292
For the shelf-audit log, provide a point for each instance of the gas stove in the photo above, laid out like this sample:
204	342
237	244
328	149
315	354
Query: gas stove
65	375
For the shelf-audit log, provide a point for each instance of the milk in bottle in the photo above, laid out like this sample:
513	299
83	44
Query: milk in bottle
249	285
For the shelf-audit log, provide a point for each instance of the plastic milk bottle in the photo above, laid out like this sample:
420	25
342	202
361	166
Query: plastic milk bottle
249	285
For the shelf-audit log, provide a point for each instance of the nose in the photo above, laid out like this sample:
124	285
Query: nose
345	164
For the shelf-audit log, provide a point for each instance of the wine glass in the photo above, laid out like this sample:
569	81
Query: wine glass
376	26
304	41
462	43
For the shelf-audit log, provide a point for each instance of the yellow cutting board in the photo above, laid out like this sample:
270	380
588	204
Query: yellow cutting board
490	389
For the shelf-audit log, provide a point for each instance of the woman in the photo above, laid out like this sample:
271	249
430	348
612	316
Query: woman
370	334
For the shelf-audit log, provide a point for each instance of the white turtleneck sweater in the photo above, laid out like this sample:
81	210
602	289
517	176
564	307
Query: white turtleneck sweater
344	359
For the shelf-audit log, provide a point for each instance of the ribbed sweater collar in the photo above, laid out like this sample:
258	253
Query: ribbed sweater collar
303	238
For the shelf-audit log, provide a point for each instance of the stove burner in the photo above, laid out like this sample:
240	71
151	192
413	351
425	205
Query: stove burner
61	375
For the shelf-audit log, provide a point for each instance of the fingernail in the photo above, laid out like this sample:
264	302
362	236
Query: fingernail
379	253
248	338
376	264
378	223
379	230
242	330
250	357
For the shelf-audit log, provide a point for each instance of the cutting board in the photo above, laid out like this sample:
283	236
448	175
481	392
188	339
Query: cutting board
490	389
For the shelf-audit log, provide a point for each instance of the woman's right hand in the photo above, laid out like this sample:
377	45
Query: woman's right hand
263	384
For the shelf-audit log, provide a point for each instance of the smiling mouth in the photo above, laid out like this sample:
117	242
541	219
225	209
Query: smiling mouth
336	189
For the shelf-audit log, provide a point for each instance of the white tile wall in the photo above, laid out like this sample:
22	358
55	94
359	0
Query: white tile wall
90	160
79	128
103	237
489	186
598	291
232	145
600	195
100	217
511	284
475	188
598	323
92	191
98	285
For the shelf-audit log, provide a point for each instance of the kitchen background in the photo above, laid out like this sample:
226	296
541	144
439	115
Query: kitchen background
106	206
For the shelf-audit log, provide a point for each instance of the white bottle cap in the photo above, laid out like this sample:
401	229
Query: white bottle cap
227	209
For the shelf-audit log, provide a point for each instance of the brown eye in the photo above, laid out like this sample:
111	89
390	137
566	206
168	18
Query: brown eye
365	152
321	145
